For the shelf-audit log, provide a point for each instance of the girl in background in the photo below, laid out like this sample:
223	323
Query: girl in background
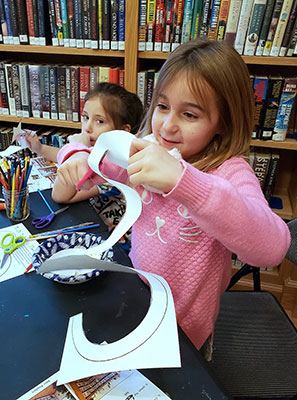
206	205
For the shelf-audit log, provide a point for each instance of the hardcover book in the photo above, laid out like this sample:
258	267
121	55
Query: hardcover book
214	18
22	21
159	25
16	89
260	91
75	93
65	23
94	24
114	24
84	85
142	25
34	74
254	28
61	84
265	27
45	91
287	99
168	25
106	24
53	91
289	29
281	27
71	23
232	21
25	90
177	23
150	24
4	110
245	12
223	17
52	20
268	118
8	78
261	165
272	27
271	174
122	24
78	23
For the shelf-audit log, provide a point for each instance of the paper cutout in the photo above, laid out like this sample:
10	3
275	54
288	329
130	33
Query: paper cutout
116	146
153	344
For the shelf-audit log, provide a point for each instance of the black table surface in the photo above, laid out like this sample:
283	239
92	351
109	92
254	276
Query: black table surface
34	314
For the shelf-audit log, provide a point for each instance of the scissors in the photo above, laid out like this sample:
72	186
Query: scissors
42	222
10	243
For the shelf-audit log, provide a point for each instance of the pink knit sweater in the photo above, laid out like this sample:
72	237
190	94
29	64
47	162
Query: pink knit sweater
188	236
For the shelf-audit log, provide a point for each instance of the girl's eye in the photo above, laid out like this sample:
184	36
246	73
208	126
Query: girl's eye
100	121
85	117
162	106
190	115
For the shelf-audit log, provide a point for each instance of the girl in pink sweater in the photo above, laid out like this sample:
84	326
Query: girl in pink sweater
206	205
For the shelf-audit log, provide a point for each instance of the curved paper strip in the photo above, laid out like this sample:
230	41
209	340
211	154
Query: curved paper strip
153	344
116	146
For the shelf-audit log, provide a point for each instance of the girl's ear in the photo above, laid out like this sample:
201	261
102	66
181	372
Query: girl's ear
127	128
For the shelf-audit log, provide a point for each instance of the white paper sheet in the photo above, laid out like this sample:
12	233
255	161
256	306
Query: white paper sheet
21	258
153	344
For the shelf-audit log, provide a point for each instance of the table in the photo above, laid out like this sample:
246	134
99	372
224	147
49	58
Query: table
34	314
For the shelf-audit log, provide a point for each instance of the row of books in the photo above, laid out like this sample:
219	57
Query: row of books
96	24
258	27
265	163
275	103
51	136
50	91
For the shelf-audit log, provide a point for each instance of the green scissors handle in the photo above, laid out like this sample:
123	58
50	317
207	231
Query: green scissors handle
9	242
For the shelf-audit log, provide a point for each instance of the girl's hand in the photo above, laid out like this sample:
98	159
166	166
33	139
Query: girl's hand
80	138
73	169
33	143
151	165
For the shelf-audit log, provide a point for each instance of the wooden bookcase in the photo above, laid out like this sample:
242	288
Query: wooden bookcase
281	281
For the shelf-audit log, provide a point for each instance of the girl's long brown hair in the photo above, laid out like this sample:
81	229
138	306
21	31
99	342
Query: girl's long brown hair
222	68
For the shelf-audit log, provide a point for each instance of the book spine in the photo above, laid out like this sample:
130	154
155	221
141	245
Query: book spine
274	91
223	17
159	25
205	17
289	30
281	27
196	20
150	77
43	22
272	27
187	21
61	85
214	18
122	77
100	27
292	41
244	17
284	110
2	19
84	86
3	91
35	90
71	25
265	26
141	86
122	22
142	25
168	26
59	23
94	24
11	100
65	24
254	28
25	90
78	23
86	23
69	113
9	38
114	75
232	21
103	74
16	89
74	74
177	23
114	24
22	21
105	24
271	175
14	21
45	91
35	22
260	167
260	92
53	91
52	20
150	24
94	77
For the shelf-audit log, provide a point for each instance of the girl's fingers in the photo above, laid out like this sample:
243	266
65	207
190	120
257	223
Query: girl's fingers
138	145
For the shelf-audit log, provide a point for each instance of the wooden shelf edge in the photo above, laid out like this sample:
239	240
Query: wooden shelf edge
41	121
288	144
260	60
71	51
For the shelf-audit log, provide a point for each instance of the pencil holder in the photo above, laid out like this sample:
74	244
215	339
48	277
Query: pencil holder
17	204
